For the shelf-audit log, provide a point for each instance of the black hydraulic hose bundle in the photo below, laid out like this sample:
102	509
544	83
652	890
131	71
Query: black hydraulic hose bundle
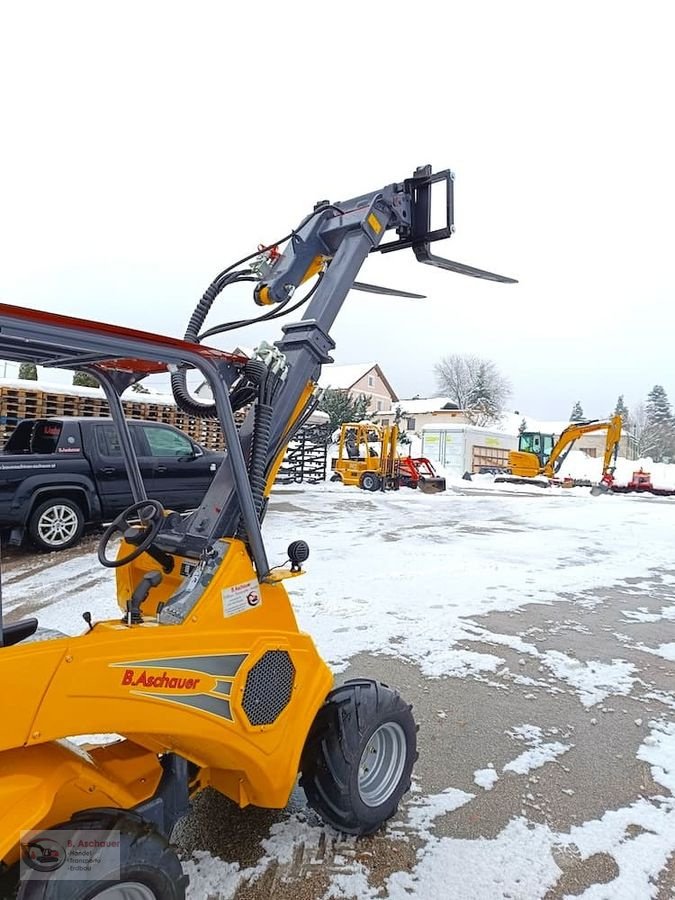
268	385
240	396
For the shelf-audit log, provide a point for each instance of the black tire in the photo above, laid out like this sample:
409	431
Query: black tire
370	481
146	861
355	717
60	517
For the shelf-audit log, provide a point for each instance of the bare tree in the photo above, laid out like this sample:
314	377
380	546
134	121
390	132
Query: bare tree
476	385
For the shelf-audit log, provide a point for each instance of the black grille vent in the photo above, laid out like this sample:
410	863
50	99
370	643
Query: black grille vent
269	686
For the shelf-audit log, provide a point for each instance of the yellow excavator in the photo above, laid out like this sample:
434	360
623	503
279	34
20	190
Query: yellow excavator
539	455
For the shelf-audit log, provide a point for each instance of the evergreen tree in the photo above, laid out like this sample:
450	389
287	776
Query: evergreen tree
84	379
28	371
621	409
658	406
577	414
523	426
659	431
340	407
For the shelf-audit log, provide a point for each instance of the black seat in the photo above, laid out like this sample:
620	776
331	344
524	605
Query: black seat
18	631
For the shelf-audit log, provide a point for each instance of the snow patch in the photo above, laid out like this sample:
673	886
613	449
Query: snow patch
593	680
486	778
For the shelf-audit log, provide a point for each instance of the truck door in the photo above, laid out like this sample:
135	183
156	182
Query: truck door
108	467
181	469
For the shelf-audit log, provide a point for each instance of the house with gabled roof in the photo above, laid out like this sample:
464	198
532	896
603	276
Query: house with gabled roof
358	379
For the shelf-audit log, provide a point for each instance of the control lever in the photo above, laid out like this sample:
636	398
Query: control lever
139	596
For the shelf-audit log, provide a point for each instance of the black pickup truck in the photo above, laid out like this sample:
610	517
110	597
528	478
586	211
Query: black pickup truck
56	475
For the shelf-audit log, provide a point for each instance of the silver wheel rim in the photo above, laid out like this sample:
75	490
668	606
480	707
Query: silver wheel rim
129	890
57	525
382	764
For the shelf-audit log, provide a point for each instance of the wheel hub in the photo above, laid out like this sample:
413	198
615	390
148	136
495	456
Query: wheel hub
57	525
382	764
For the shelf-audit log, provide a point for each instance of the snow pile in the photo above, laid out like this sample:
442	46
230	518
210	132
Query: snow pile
578	465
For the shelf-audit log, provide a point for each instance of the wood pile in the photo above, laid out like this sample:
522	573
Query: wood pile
17	403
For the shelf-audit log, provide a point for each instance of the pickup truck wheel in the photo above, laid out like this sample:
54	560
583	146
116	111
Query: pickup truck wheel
56	524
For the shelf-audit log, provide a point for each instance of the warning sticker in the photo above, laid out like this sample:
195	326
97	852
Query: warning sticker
241	597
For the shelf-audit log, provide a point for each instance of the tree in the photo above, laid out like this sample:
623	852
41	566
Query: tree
84	379
28	371
577	414
523	426
658	433
476	385
399	414
657	406
341	407
621	410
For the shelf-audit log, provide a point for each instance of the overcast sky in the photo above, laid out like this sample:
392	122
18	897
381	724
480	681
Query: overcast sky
146	145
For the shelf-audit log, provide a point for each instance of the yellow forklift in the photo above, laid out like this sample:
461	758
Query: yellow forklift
382	469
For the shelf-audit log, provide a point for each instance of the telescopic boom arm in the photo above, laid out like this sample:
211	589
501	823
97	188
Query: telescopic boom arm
333	243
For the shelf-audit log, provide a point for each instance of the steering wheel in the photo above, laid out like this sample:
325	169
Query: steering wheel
151	515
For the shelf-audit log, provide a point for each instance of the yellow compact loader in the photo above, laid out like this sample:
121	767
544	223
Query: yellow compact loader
203	672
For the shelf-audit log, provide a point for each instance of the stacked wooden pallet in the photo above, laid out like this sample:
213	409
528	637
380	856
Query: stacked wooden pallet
17	403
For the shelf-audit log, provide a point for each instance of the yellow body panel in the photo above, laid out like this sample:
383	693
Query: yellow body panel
524	465
152	684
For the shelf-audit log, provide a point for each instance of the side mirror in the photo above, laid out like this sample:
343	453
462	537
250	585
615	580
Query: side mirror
195	453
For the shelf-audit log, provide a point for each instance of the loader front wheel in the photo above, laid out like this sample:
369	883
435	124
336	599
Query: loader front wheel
359	754
148	869
370	481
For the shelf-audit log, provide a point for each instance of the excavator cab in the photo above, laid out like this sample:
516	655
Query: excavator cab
539	444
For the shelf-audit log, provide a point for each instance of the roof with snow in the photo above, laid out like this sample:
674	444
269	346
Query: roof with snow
342	378
420	405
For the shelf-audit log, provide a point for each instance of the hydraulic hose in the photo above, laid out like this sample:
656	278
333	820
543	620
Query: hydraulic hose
179	378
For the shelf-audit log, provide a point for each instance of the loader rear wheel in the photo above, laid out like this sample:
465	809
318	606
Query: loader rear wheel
359	755
149	868
370	481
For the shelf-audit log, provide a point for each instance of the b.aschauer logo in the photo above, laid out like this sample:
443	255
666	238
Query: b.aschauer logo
202	682
149	679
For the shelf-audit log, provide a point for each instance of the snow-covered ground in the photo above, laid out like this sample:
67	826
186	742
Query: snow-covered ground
421	581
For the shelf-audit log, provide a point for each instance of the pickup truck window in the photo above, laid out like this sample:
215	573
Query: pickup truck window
34	437
164	442
108	442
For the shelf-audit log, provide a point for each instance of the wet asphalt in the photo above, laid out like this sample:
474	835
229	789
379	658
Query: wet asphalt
466	724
